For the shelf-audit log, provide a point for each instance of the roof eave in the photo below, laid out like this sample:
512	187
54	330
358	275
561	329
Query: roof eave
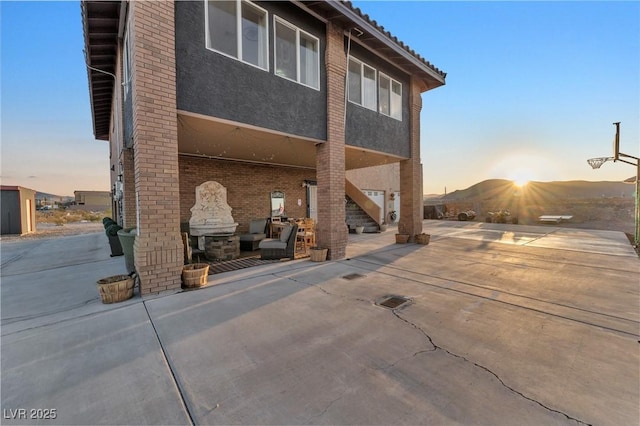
100	121
435	79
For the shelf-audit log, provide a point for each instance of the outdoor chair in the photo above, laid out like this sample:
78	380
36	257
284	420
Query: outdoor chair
279	248
257	233
305	239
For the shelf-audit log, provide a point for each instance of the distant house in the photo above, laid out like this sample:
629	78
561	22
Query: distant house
92	200
263	97
18	207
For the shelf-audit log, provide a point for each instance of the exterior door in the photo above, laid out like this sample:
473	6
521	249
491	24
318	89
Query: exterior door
29	218
312	200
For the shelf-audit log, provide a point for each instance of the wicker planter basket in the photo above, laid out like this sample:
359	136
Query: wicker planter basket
402	238
195	275
318	254
116	288
423	238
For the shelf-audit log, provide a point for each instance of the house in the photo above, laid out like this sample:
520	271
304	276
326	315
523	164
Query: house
261	97
18	207
92	200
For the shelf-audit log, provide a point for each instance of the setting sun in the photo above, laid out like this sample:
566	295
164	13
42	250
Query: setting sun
521	176
520	182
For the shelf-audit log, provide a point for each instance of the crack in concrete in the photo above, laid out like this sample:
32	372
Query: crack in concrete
322	413
436	347
307	284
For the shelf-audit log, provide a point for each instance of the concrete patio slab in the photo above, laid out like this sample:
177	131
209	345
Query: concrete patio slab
502	325
106	368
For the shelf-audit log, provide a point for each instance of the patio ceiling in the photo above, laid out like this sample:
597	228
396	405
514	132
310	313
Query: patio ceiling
203	136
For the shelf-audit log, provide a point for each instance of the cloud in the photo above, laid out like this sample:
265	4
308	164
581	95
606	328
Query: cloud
32	177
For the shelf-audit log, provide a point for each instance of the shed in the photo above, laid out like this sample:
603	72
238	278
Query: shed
18	210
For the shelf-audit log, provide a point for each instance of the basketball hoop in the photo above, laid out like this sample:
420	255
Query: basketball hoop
595	163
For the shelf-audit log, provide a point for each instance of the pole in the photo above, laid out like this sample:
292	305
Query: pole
637	233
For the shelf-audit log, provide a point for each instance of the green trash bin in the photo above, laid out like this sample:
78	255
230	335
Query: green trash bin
127	239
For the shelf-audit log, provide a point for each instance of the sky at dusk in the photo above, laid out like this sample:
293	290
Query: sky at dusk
532	91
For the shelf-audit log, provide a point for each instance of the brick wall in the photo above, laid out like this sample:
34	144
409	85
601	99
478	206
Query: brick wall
115	139
411	172
158	247
129	189
248	187
331	231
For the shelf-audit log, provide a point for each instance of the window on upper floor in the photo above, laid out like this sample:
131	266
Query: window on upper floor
238	28
390	97
362	84
297	55
126	61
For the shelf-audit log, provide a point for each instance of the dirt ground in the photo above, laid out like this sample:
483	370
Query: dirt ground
49	230
607	214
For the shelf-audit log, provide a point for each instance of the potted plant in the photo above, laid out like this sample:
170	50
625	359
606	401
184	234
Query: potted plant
359	227
318	254
383	226
402	238
116	288
195	275
111	229
422	238
127	240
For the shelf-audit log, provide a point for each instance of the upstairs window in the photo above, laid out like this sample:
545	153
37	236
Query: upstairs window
362	84
126	61
297	55
390	97
238	28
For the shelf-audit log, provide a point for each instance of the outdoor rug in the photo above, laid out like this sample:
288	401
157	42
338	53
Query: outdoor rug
235	264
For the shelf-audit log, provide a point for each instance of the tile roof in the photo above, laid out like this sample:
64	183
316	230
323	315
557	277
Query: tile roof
392	37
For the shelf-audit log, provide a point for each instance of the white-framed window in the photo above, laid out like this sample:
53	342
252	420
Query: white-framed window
362	84
238	28
126	60
390	97
296	54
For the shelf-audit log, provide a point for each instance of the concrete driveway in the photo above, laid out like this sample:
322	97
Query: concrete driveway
503	325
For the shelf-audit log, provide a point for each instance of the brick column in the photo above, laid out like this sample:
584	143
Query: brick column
158	246
129	189
411	209
330	229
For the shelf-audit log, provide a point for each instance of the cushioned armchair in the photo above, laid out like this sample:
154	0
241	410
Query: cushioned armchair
278	248
257	233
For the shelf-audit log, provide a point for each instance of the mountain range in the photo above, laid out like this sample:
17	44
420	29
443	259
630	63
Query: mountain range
576	189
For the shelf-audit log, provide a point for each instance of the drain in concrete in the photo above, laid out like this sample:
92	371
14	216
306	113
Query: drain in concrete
352	276
392	302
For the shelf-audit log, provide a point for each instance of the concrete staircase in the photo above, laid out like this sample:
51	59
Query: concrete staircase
356	216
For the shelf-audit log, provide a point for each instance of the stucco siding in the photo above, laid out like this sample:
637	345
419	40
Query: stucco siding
213	84
369	129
